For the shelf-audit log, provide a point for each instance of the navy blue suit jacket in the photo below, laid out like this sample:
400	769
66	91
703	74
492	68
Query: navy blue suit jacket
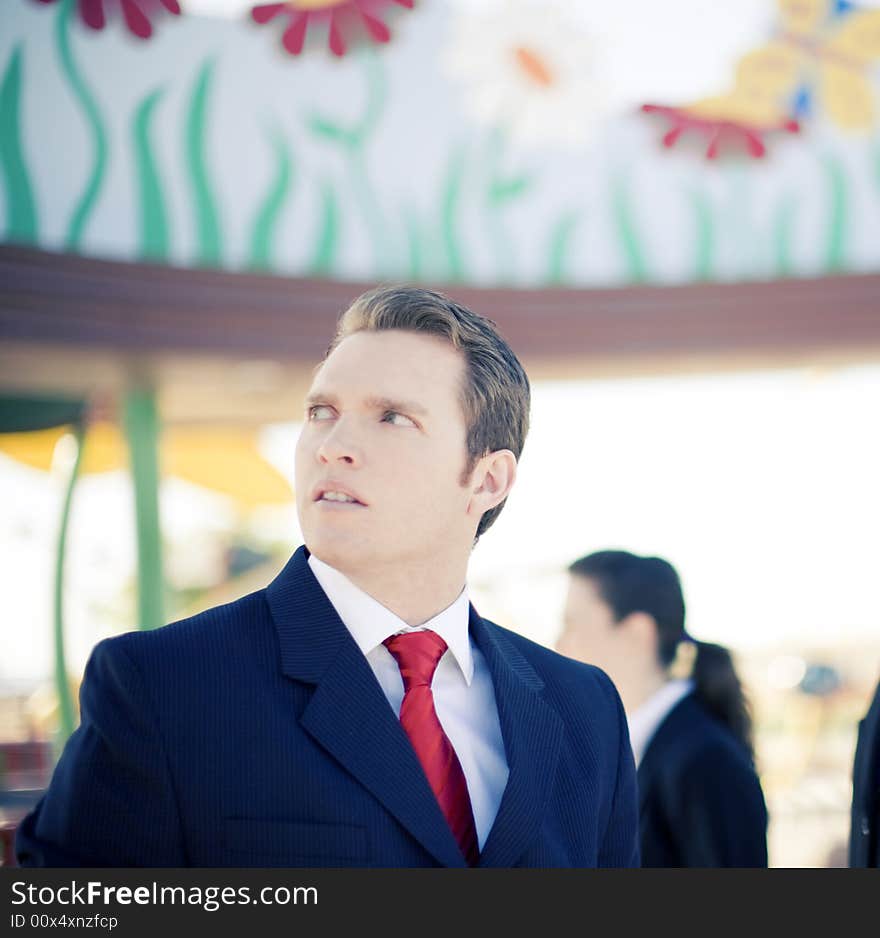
700	800
864	840
255	734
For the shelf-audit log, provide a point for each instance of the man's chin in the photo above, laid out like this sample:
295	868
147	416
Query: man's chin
343	554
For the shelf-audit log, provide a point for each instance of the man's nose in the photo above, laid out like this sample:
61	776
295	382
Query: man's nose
339	445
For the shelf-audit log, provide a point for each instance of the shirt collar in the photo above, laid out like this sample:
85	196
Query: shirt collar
646	720
370	623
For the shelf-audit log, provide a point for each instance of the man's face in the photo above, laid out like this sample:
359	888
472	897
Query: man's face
385	429
590	632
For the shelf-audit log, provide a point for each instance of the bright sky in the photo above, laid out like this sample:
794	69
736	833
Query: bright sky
761	488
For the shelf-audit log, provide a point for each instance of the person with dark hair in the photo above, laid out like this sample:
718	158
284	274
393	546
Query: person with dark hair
864	839
700	799
358	711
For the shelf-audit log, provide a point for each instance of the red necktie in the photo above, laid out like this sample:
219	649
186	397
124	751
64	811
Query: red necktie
417	655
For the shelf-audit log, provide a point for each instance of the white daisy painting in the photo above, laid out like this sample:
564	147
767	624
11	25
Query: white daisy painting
530	69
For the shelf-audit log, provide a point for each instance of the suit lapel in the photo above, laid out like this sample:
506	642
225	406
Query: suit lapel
348	714
532	733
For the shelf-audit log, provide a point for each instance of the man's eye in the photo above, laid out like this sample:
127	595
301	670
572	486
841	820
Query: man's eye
400	420
320	412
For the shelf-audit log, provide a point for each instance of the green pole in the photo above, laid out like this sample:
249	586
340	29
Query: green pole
62	687
142	432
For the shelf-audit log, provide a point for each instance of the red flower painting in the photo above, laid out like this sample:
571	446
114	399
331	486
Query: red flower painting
719	133
138	14
346	21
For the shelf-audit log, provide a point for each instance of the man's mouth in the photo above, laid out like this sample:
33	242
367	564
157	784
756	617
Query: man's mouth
335	492
340	497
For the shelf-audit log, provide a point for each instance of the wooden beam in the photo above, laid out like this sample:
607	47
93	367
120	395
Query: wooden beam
70	300
234	348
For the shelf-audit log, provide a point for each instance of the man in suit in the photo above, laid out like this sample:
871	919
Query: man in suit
864	841
700	799
358	711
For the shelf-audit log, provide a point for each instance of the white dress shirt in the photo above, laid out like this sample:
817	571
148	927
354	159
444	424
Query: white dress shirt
646	720
464	697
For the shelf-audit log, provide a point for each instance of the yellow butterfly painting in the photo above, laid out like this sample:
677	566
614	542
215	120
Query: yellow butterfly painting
818	62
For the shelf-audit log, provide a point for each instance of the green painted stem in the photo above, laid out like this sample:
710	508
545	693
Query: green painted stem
455	269
505	261
270	210
21	215
704	241
204	203
835	246
414	239
560	242
153	221
377	94
371	210
627	232
86	100
142	432
783	226
62	687
370	205
328	237
352	141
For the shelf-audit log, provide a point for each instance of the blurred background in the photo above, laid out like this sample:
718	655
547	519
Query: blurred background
672	211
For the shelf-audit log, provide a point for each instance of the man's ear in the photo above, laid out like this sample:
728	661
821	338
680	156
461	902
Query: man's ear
643	628
492	480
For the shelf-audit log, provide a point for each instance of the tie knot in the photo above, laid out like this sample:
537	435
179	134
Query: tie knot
417	655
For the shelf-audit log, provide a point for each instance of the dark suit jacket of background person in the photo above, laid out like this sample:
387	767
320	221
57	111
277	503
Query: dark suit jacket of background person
255	734
700	800
864	841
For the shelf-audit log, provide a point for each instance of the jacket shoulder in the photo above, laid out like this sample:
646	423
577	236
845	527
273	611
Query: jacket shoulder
692	741
210	628
561	676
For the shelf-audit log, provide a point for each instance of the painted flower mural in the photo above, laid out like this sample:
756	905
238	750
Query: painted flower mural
346	21
138	14
817	63
529	69
93	13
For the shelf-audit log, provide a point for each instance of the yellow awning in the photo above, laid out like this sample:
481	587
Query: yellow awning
225	460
